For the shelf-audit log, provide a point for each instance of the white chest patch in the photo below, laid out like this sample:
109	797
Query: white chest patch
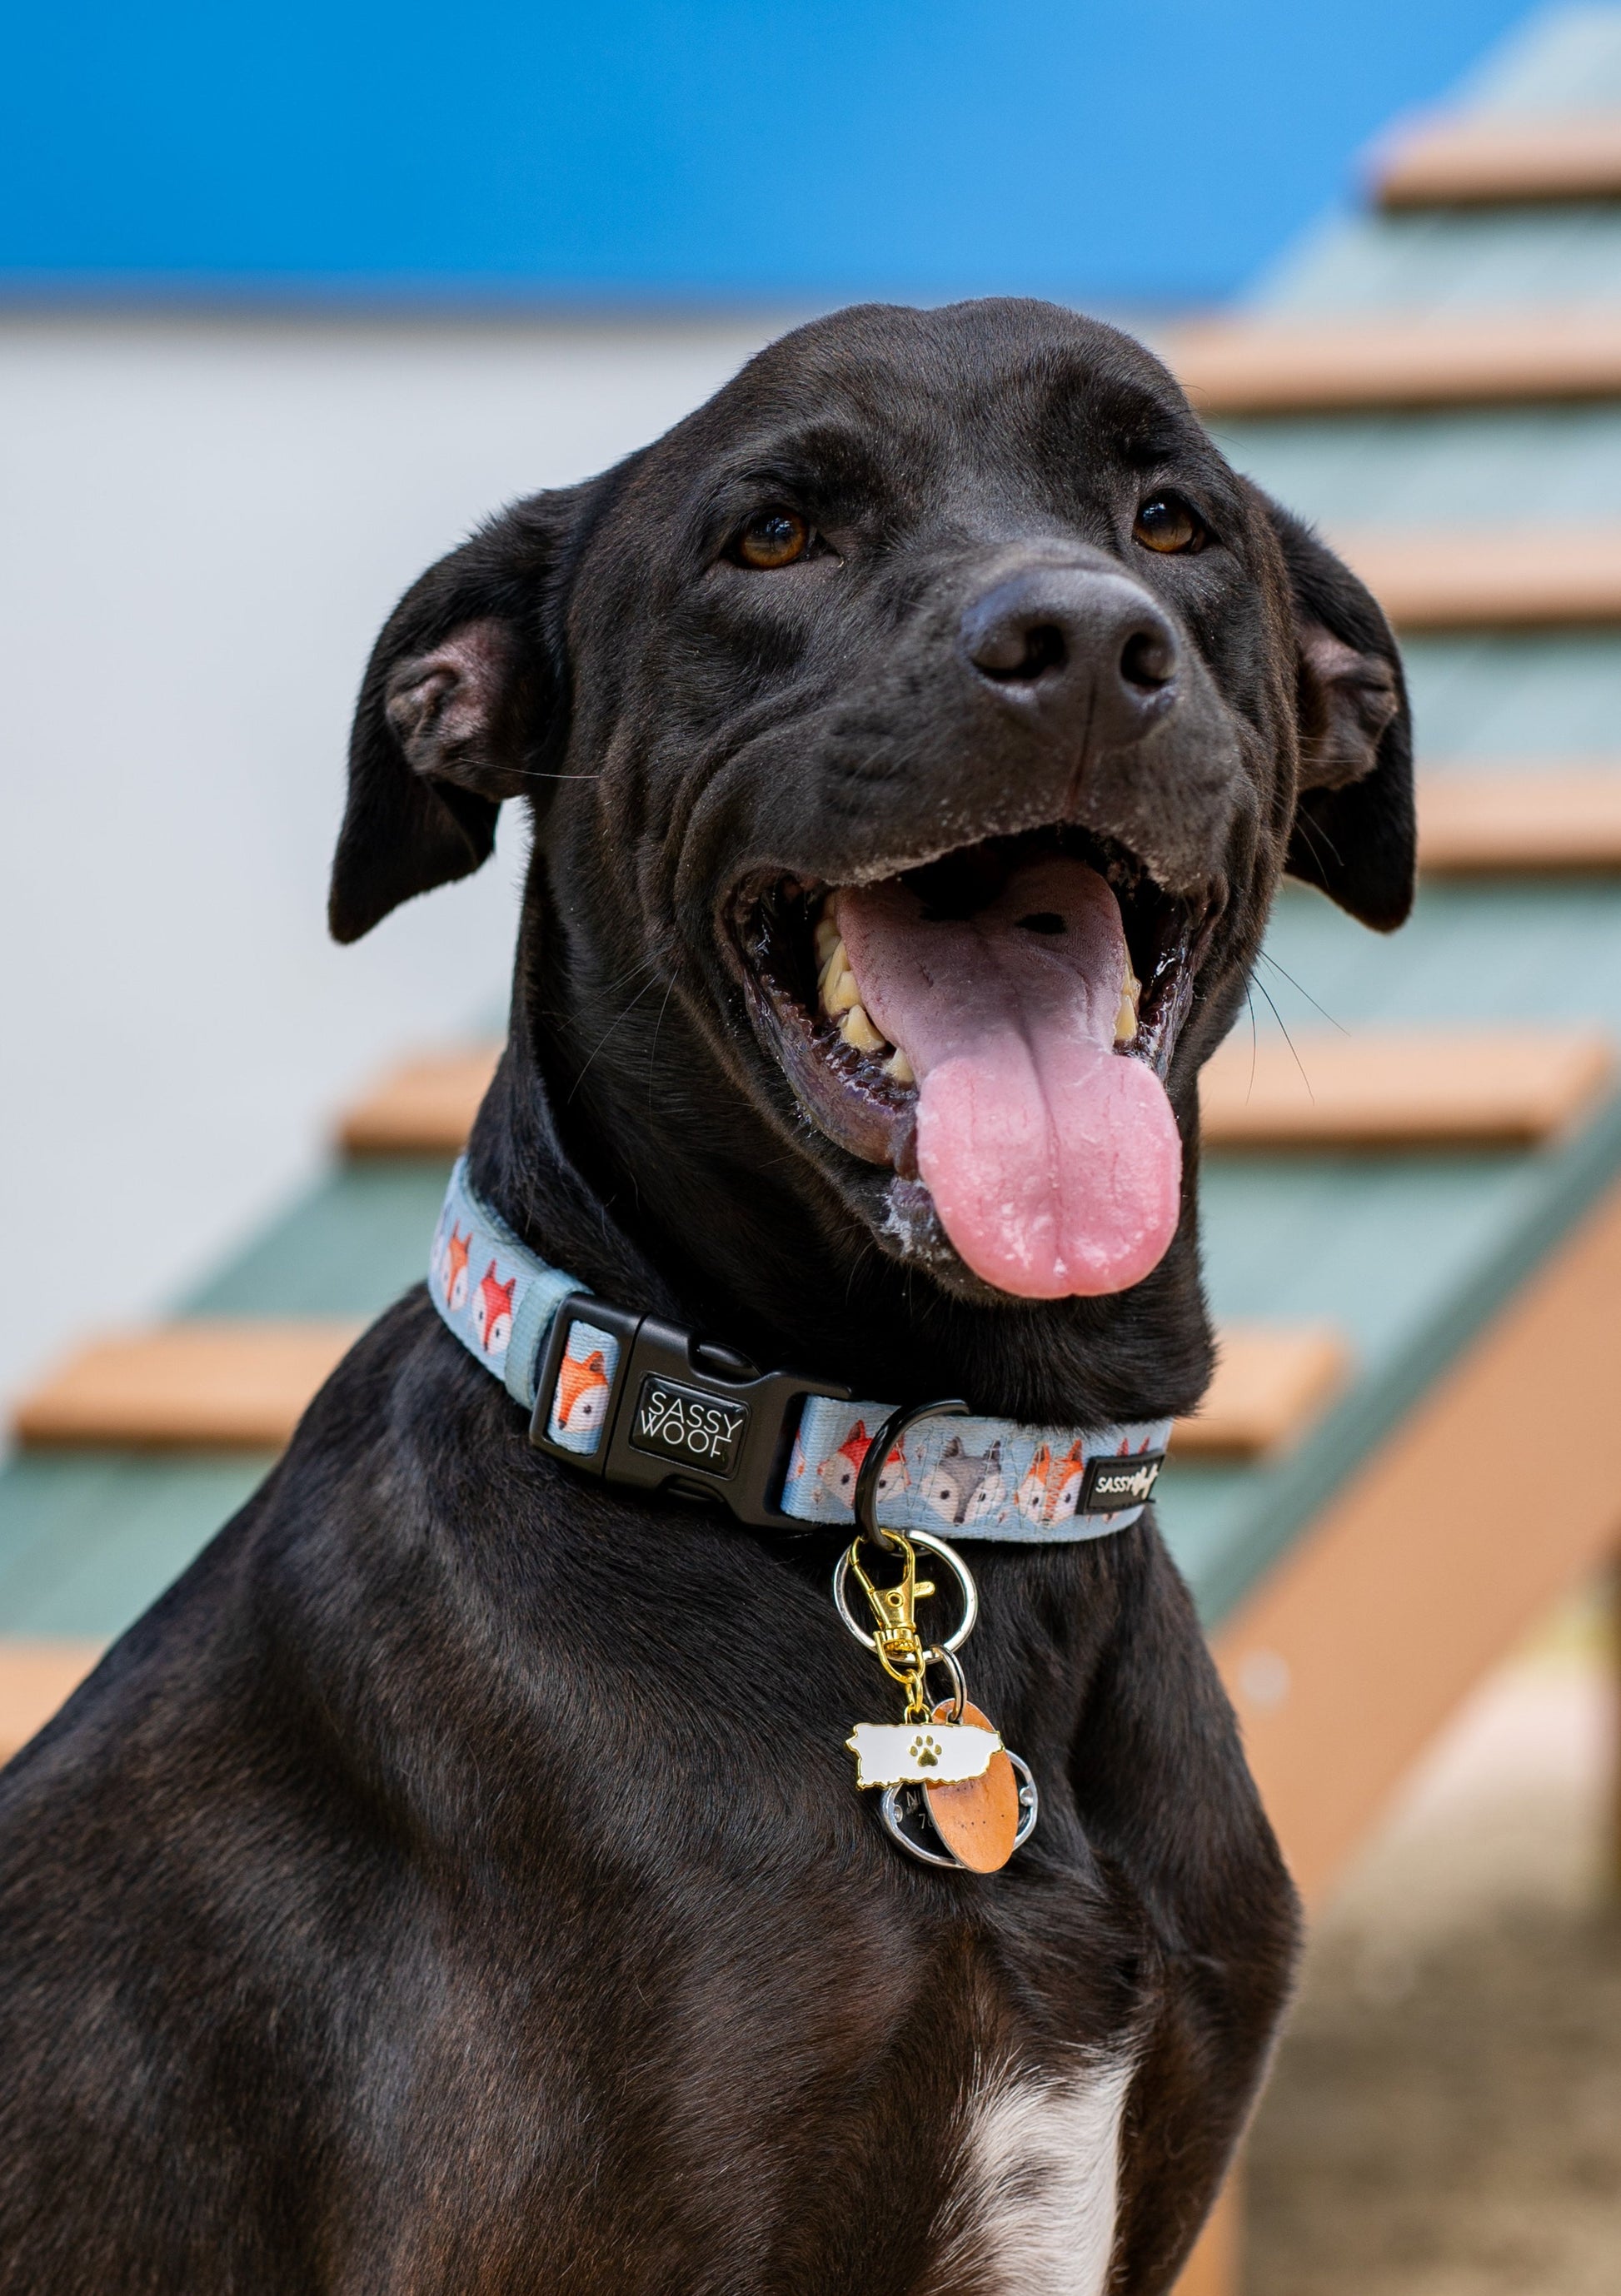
1034	2212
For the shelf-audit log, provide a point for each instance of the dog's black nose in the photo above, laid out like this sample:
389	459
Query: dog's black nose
1073	639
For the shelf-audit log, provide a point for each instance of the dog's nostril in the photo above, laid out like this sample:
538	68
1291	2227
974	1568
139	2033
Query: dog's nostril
1044	649
1148	660
1045	921
1022	652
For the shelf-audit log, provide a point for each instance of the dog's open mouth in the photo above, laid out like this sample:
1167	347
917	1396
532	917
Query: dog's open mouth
997	1024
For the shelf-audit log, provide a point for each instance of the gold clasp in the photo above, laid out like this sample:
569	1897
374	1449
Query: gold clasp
900	1645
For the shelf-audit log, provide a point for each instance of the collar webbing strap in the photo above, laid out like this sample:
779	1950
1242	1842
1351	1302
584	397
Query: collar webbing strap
641	1402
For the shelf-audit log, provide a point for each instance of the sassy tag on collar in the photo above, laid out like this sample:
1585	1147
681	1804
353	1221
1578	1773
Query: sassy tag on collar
927	1753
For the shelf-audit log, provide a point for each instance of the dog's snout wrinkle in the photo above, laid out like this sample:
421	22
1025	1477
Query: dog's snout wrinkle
1087	649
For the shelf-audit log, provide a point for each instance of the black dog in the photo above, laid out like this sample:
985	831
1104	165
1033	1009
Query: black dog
457	1880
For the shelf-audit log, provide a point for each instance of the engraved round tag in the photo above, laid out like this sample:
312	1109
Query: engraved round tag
977	1819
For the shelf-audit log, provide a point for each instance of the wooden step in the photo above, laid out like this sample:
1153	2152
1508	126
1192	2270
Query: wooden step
1491	578
1415	1088
244	1386
1272	1381
424	1107
34	1677
1501	159
1566	817
241	1385
1266	366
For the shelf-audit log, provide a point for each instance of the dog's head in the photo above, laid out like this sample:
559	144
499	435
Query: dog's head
915	735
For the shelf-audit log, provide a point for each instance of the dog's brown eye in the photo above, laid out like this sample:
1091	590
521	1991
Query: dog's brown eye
1165	523
773	538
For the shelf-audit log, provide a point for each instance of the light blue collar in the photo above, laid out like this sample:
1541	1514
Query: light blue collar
640	1402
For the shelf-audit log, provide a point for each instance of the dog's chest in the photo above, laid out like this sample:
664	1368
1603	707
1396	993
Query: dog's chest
1034	2209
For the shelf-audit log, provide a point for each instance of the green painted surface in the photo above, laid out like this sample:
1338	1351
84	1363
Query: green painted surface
1466	260
1508	949
88	1541
1410	1255
347	1249
1517	696
1553	465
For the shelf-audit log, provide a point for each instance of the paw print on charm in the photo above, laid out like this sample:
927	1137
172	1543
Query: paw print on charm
926	1752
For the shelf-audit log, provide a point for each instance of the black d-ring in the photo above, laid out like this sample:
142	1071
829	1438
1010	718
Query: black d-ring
895	1429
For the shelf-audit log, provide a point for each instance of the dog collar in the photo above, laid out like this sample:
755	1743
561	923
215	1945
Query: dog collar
643	1403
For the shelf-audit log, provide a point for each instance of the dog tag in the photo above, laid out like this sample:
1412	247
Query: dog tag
977	1818
903	1753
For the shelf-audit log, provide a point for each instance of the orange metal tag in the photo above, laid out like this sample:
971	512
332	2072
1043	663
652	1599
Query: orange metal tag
977	1818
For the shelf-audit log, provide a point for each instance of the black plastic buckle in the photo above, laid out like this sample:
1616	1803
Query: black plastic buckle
682	1411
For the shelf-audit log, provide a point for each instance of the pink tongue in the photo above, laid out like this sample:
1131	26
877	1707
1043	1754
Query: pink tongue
1054	1163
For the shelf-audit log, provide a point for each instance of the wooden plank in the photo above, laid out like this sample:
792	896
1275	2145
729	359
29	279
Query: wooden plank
1509	1086
1498	160
1566	818
34	1677
244	1385
1491	578
1273	367
1501	1492
233	1386
1273	1381
1413	1088
424	1107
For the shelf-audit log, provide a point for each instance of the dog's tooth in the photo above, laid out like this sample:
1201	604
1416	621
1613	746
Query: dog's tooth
839	991
857	1029
1125	1019
830	960
900	1068
827	941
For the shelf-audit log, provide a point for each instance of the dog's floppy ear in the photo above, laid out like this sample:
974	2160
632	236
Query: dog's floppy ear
458	697
1354	832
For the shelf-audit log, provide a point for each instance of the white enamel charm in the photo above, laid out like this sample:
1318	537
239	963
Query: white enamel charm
924	1754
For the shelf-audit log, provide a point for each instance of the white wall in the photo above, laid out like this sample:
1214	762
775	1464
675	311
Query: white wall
202	523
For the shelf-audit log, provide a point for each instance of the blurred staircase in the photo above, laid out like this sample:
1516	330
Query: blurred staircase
1412	1203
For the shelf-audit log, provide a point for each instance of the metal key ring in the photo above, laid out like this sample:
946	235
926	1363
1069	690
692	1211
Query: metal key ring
891	1436
937	1655
948	1555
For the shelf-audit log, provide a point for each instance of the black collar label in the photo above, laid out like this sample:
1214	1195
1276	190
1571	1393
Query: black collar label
1110	1484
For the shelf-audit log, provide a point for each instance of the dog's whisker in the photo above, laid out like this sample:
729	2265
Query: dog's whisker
1254	1038
1288	1039
1302	991
1316	836
653	1048
608	1031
